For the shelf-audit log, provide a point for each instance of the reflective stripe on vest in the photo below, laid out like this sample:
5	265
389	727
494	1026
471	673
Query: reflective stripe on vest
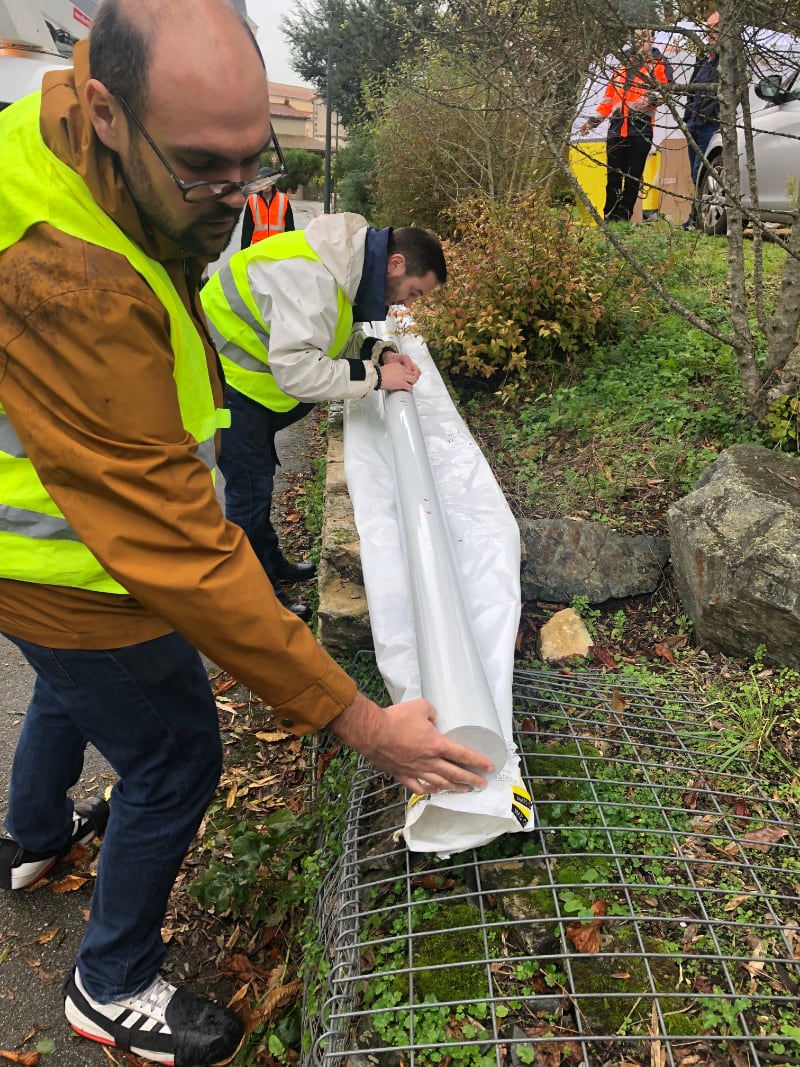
241	334
268	219
37	544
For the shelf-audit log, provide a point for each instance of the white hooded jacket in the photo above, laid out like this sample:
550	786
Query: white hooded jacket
298	298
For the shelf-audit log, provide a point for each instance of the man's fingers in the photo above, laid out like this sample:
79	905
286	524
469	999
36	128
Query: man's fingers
453	752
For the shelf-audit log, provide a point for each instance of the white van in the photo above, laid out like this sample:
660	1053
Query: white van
37	39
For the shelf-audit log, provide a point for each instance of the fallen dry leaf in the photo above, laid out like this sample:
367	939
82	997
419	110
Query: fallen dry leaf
704	824
657	1051
47	936
275	735
734	902
618	702
27	1059
278	998
764	838
239	995
432	882
69	884
603	656
754	968
585	936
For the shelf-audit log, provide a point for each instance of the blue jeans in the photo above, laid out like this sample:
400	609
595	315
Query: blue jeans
702	136
247	460
149	709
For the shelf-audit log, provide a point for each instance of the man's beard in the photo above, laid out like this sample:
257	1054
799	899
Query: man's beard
392	290
195	238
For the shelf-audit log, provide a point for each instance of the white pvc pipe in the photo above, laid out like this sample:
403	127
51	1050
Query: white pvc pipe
451	673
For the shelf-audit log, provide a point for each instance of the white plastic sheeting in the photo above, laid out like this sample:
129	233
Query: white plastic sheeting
440	555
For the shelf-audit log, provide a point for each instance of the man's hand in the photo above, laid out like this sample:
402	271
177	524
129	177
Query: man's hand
399	371
403	741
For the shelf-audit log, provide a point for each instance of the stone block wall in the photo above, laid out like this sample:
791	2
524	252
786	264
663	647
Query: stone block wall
343	617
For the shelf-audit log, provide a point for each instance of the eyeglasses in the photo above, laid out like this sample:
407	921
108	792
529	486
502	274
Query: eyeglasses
198	192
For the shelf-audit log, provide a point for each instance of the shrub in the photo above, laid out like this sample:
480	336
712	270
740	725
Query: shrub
355	170
782	423
302	168
528	291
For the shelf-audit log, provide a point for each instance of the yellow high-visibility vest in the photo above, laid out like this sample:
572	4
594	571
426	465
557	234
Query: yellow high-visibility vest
37	544
241	334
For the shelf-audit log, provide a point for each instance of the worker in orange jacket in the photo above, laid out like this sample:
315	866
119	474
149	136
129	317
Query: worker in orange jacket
267	213
630	101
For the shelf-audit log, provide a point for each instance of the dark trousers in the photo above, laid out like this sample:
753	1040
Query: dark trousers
625	159
148	708
247	460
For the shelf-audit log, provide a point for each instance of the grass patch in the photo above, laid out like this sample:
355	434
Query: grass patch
631	425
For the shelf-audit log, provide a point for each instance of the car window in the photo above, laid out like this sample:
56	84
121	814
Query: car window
791	84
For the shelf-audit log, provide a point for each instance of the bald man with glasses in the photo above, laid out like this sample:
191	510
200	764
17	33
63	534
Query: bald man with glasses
121	180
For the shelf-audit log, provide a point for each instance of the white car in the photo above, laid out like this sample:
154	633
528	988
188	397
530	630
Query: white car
776	151
21	72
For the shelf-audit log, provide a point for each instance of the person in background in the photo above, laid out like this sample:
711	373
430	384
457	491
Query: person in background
121	180
266	214
702	108
293	344
629	102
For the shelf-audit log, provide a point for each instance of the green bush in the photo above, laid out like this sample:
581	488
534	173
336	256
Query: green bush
528	291
354	174
302	168
782	423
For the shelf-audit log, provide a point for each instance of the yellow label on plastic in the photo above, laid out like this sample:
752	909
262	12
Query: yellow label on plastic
521	804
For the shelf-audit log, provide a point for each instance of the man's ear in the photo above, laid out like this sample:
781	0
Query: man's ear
105	111
396	265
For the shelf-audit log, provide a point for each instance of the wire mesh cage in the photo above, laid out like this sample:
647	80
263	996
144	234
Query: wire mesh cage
651	919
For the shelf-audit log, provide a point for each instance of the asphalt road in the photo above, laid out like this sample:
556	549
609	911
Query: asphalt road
40	930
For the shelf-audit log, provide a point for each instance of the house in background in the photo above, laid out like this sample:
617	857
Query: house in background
292	109
298	118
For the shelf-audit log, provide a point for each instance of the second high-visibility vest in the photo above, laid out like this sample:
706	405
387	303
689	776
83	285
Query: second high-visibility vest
37	544
630	84
241	334
268	219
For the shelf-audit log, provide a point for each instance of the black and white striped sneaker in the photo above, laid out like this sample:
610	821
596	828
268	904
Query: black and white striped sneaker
162	1024
20	868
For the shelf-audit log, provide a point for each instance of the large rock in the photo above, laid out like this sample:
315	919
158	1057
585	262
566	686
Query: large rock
566	558
736	553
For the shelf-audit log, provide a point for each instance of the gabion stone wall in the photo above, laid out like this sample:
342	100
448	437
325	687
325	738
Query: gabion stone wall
651	919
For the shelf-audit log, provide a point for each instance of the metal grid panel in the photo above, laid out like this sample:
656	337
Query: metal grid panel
651	919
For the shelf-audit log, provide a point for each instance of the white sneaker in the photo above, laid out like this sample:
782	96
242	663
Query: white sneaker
162	1024
20	868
